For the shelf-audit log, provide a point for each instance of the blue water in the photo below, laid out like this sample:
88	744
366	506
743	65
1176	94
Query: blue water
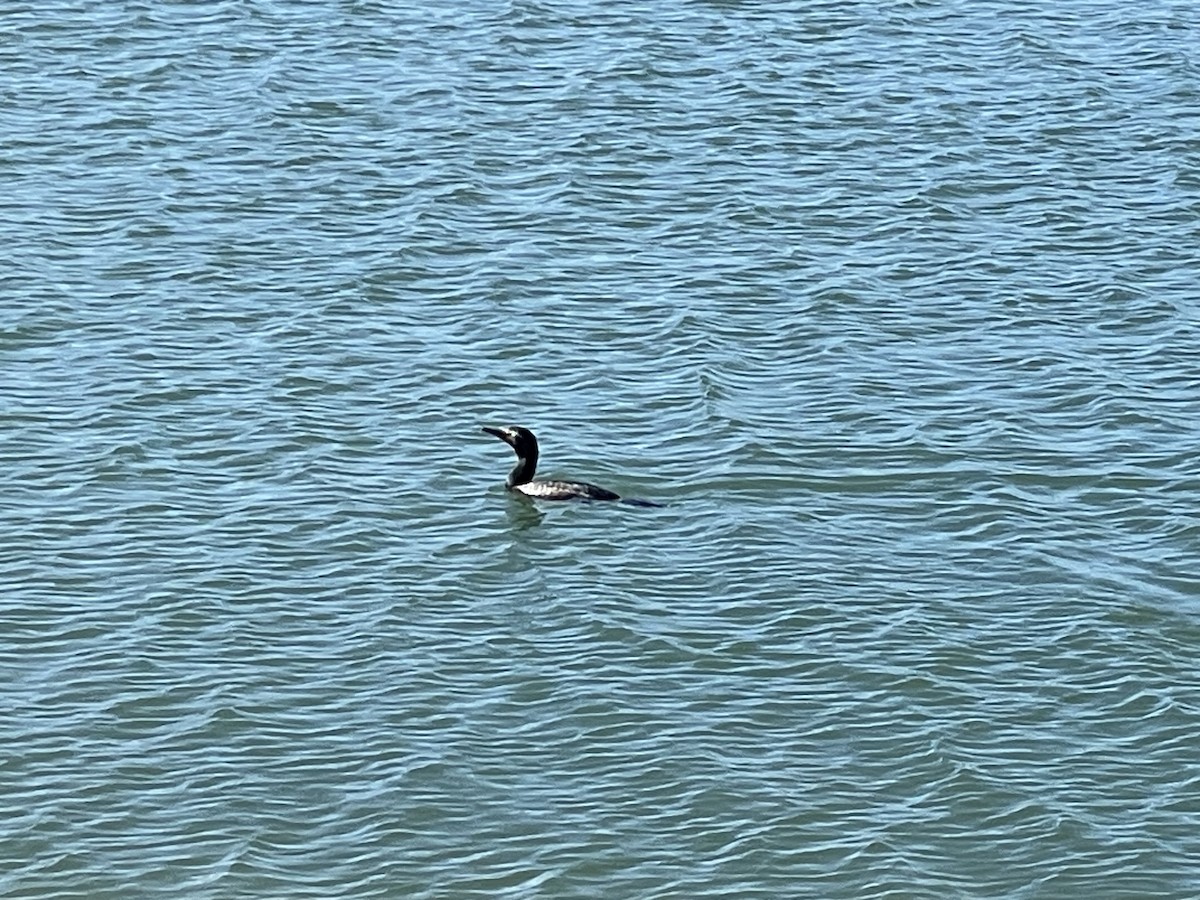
893	307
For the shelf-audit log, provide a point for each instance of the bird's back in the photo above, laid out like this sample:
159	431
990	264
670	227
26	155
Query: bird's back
564	490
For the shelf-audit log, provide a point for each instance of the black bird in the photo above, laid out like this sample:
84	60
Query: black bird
520	479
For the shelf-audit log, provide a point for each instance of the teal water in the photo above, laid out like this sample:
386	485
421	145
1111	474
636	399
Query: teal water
892	305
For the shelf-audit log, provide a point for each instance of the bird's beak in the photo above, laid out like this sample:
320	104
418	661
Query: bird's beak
497	432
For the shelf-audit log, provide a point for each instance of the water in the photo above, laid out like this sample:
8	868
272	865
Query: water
893	306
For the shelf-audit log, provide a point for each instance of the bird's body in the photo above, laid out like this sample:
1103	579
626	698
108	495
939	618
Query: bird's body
521	481
545	489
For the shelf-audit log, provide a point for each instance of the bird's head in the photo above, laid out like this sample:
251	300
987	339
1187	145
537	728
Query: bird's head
520	439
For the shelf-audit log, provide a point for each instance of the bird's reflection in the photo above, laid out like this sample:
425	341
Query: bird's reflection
523	514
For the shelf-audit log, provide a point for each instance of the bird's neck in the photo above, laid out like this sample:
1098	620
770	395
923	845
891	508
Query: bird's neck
522	472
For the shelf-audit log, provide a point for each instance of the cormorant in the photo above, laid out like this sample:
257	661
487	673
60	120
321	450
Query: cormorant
520	479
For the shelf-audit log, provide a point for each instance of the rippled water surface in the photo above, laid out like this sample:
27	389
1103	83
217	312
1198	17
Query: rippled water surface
892	305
